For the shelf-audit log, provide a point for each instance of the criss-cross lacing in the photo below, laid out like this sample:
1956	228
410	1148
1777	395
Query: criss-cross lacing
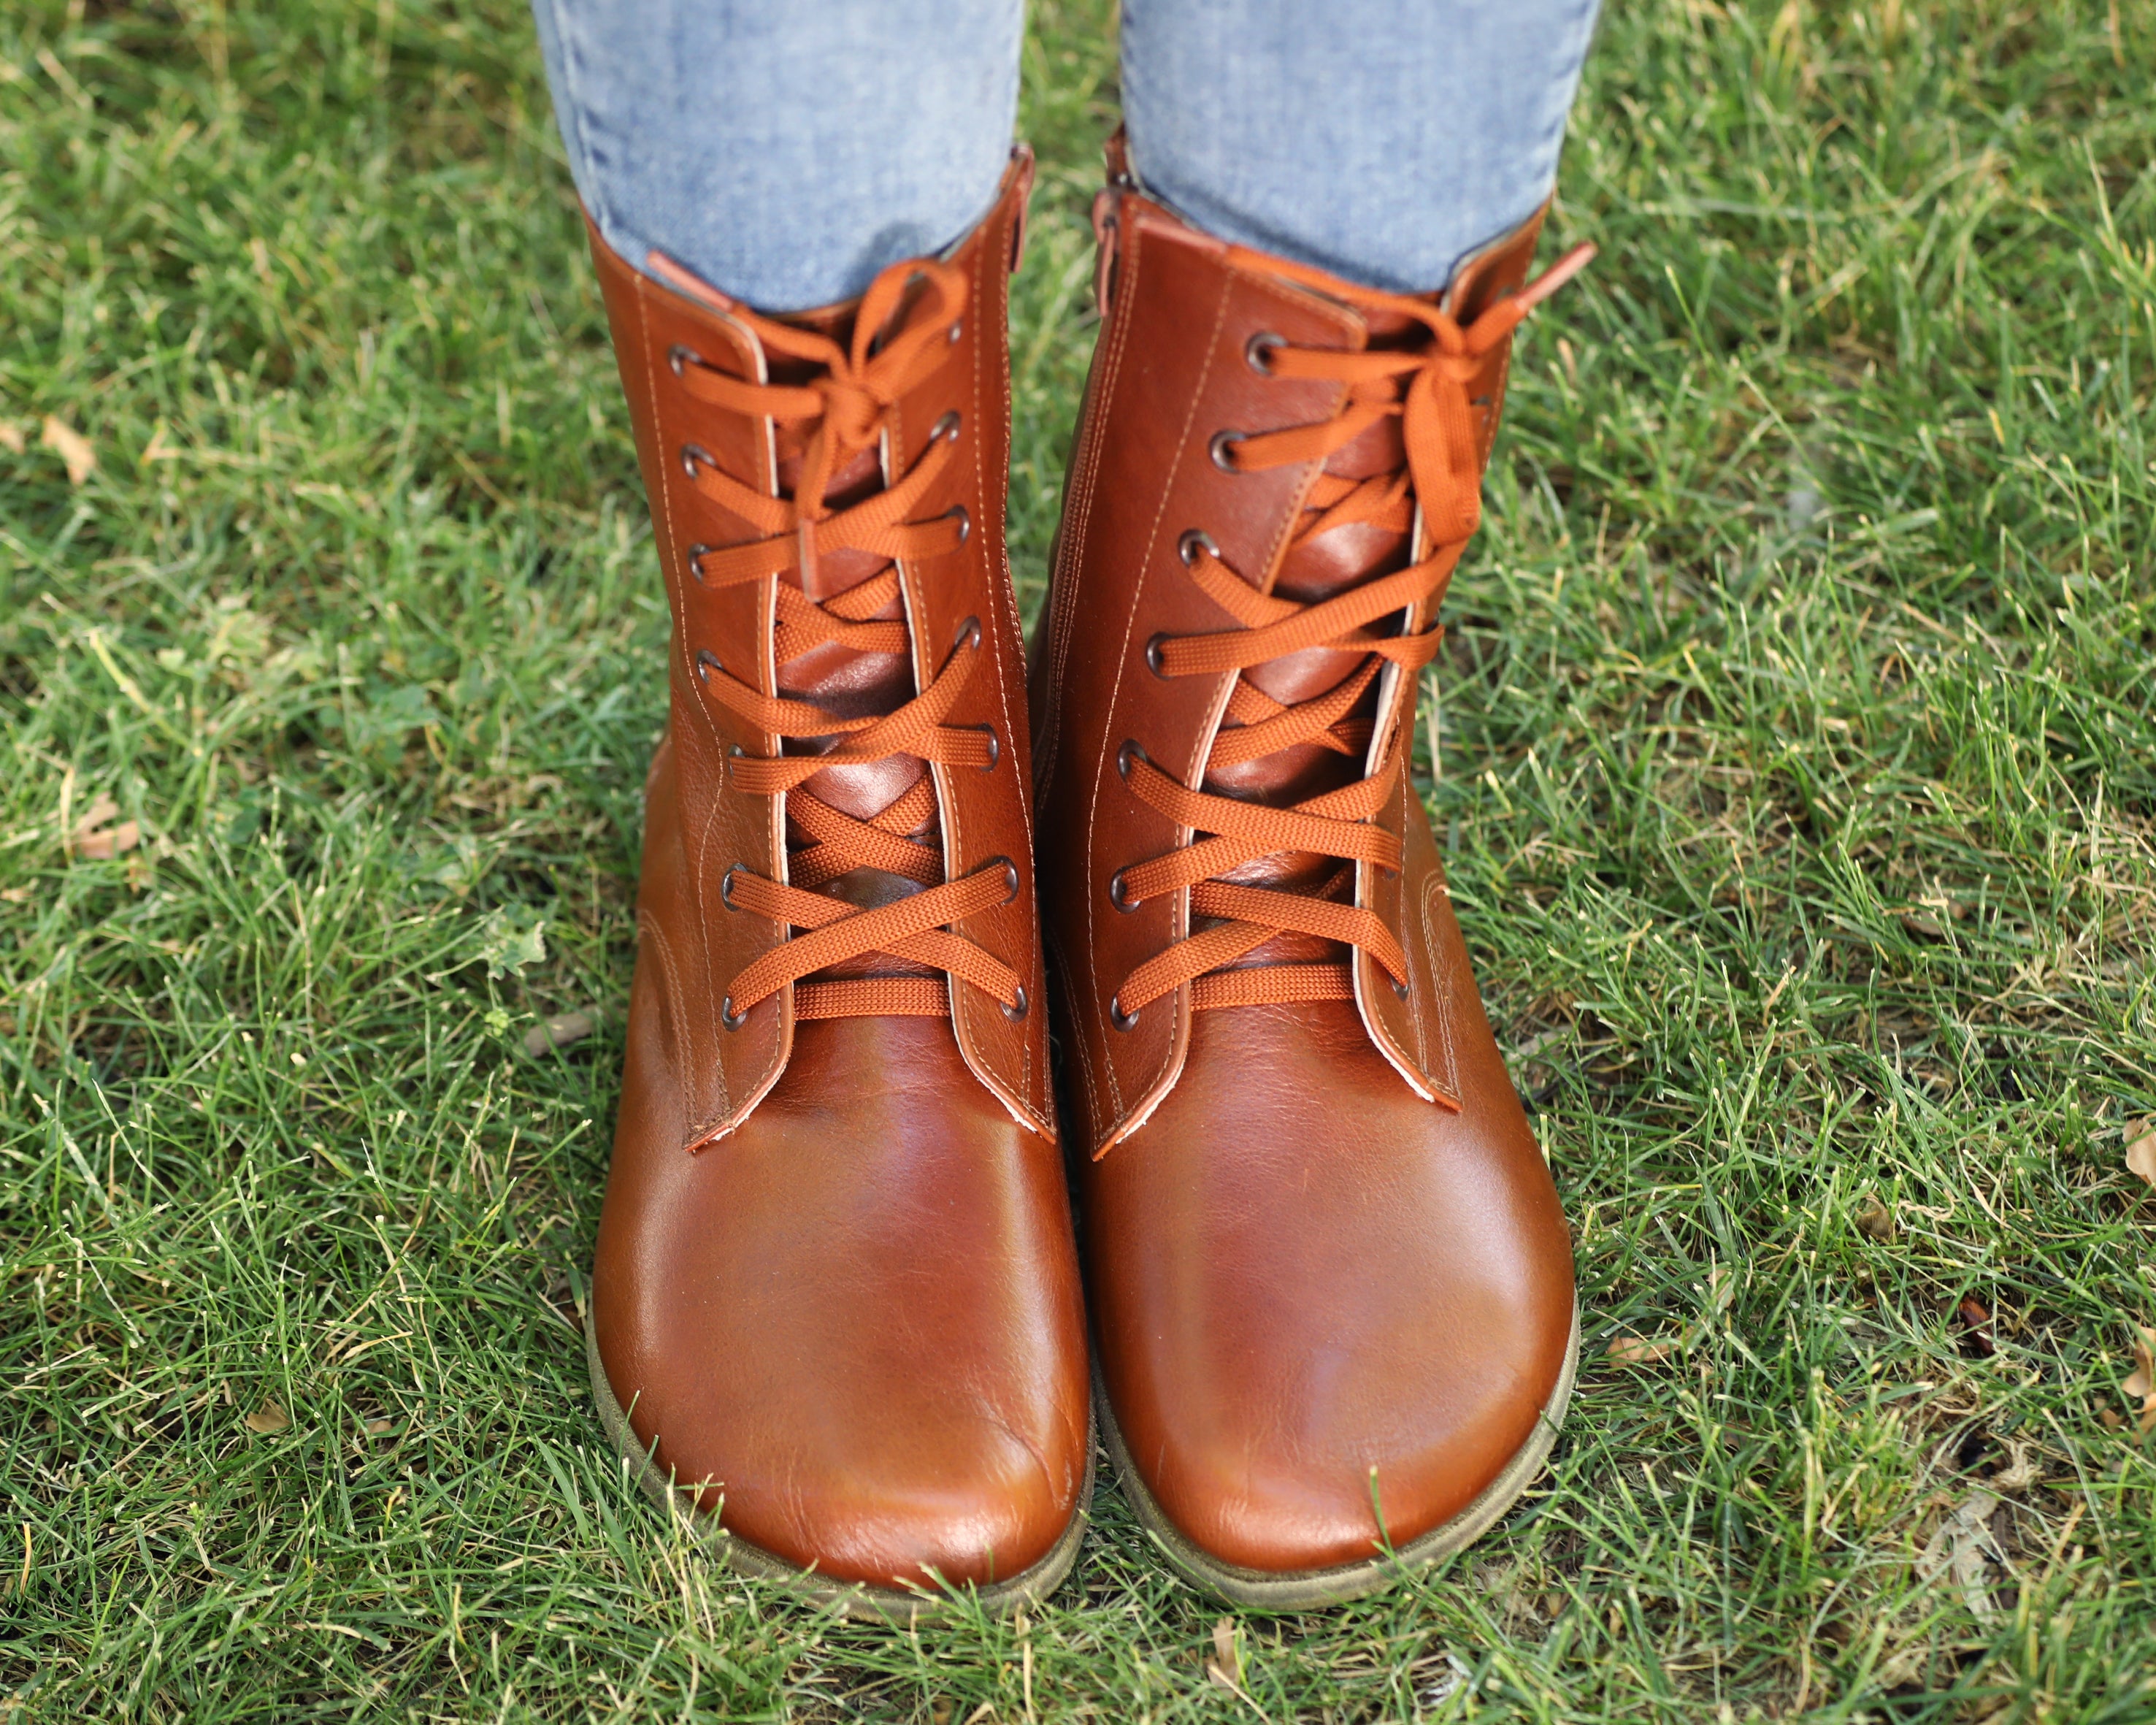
846	408
1426	386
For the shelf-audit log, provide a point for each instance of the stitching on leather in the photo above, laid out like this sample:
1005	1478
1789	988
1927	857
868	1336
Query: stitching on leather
986	272
1073	548
1138	601
1078	510
1052	956
662	953
1441	983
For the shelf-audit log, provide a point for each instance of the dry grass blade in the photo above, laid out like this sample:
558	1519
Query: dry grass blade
269	1419
1638	1351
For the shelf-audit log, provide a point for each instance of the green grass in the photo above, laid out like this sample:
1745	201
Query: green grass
1798	770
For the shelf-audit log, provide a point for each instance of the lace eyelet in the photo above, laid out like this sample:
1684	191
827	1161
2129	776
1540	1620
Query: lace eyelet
1257	352
1191	543
1400	989
1129	752
1154	661
1018	1012
694	557
1118	895
726	886
1010	875
947	426
1117	1017
958	330
728	1016
680	357
691	454
965	521
995	747
968	633
707	661
1220	449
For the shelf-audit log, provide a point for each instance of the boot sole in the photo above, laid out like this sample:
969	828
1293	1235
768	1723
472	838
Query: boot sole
854	1600
1307	1589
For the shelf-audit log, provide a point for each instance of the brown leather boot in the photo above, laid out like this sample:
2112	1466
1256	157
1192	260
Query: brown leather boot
836	1301
1330	1284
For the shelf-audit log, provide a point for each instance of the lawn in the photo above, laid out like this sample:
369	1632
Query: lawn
1795	754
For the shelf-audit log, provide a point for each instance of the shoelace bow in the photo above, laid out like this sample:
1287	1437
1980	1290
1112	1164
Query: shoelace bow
844	410
1427	389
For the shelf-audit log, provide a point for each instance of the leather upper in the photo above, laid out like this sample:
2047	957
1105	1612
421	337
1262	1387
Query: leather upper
835	1288
1320	1237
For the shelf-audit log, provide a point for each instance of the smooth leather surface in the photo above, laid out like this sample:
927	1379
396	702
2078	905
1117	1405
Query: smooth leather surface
1320	1237
835	1284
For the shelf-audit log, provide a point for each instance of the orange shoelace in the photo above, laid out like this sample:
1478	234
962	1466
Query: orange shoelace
1425	387
846	409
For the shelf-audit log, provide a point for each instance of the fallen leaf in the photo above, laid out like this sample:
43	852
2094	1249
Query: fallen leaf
11	437
1958	1546
268	1419
1874	1220
2141	1150
378	1427
2141	1383
1638	1351
94	839
559	1032
1977	1320
16	895
74	447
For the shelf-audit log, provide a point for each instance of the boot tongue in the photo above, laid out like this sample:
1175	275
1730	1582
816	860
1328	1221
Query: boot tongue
843	682
1336	560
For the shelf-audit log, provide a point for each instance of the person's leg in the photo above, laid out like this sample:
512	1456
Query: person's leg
1380	140
781	150
835	1297
1329	1279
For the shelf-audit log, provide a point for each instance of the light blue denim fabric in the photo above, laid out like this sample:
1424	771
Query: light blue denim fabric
1382	140
787	150
784	150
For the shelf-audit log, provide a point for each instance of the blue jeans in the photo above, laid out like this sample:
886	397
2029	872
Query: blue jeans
787	150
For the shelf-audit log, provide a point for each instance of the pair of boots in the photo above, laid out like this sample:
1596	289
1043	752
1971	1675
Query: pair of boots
836	1314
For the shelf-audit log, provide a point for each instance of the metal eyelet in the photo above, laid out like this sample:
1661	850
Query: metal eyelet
1191	543
679	357
1258	351
728	1016
965	521
1128	753
1153	662
1118	895
947	426
1014	1013
958	330
694	556
968	634
726	886
691	454
1117	1017
707	661
995	747
1399	988
1010	875
1218	448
